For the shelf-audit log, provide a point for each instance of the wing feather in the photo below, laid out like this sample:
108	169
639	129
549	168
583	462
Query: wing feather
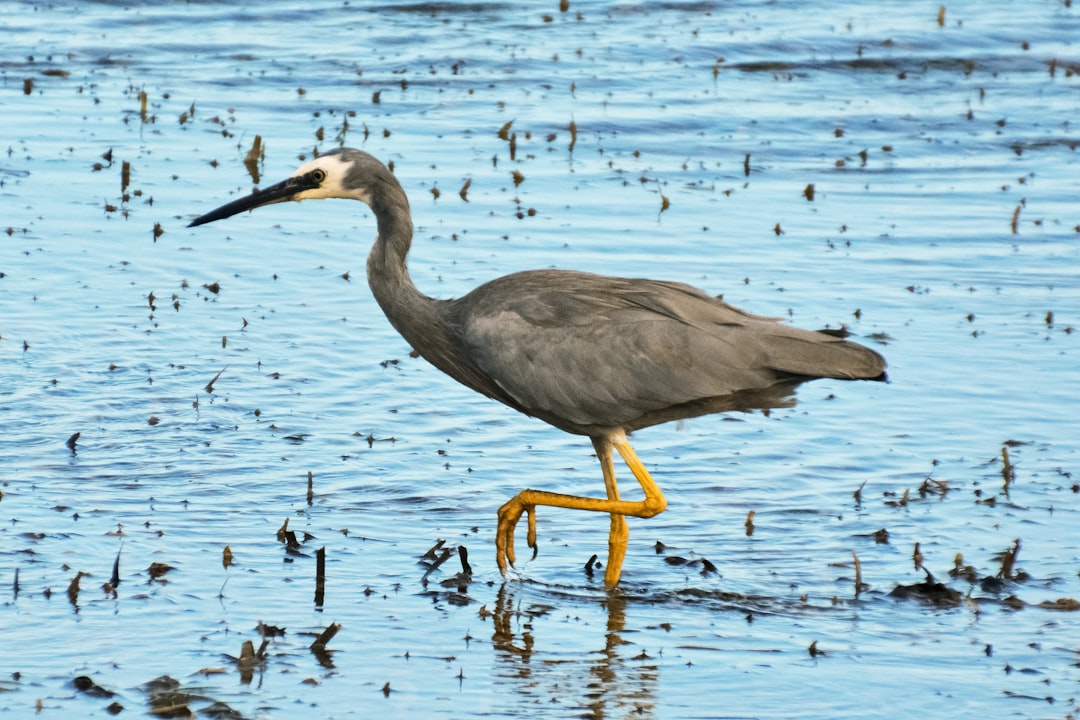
601	351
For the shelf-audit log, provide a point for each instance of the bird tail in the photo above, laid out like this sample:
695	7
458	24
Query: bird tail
823	355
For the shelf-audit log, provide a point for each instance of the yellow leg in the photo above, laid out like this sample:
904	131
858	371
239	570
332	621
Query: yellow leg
527	500
619	535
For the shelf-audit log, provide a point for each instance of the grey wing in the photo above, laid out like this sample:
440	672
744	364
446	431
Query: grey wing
586	350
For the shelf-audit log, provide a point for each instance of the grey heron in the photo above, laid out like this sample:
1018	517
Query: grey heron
592	355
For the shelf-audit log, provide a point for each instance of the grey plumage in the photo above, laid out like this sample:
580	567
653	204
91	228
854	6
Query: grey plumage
589	353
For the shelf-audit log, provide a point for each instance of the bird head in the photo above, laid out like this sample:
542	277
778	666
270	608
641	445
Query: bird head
331	175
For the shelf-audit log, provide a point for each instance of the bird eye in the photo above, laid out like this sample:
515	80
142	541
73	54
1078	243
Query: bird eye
318	175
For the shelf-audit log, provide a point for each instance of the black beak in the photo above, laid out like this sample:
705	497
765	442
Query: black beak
281	192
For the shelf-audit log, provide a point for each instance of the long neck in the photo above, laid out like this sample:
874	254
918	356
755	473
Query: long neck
414	315
427	324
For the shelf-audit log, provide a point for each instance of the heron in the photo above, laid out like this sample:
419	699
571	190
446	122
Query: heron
589	354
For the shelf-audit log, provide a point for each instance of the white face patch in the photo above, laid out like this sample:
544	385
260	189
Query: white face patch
336	170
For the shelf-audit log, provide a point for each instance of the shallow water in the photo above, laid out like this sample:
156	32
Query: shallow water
943	230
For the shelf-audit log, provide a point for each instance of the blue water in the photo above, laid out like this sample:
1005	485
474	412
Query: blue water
921	142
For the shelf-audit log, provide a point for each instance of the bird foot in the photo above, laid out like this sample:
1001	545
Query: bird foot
509	514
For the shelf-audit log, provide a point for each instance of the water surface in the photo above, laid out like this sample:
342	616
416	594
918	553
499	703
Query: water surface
942	230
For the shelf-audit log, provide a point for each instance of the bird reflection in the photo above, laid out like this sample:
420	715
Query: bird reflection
614	685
